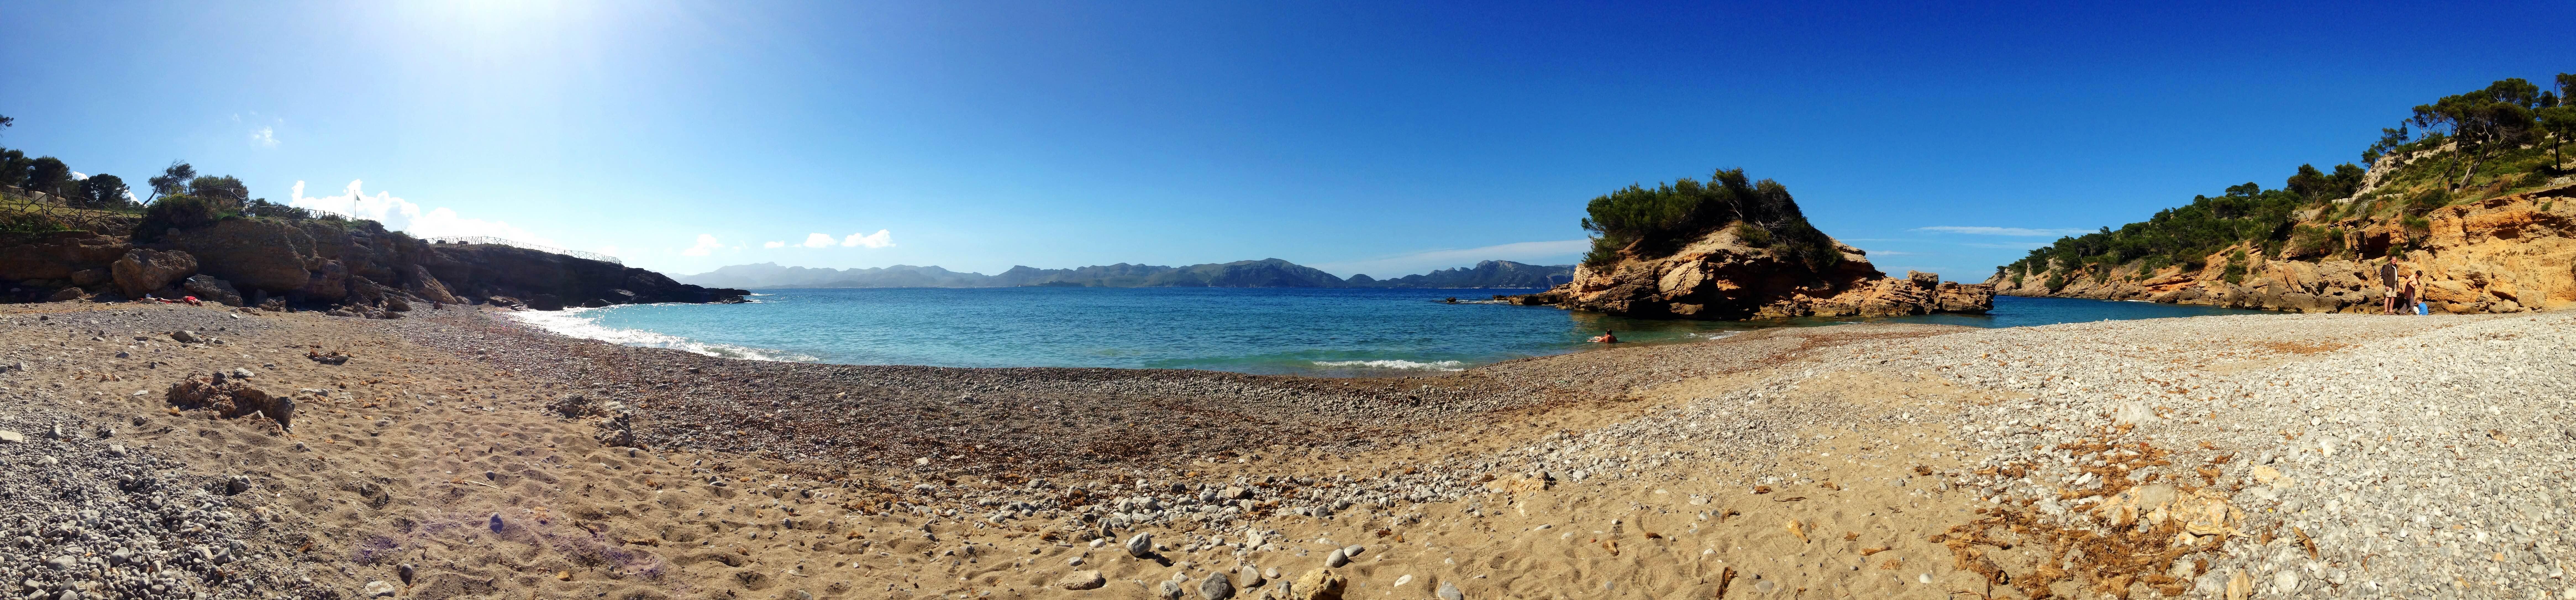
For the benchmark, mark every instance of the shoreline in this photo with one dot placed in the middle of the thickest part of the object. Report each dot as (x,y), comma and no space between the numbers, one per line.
(1797,458)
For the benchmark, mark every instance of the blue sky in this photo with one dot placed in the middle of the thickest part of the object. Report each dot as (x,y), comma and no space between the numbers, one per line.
(1357,137)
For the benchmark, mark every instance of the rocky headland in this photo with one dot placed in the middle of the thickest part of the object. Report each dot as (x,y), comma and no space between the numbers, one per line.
(356,267)
(1720,277)
(2506,254)
(1732,249)
(2479,204)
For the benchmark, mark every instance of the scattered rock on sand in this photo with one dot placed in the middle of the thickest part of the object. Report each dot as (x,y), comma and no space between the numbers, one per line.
(1141,546)
(378,589)
(1337,558)
(1216,587)
(1449,591)
(12,436)
(1319,584)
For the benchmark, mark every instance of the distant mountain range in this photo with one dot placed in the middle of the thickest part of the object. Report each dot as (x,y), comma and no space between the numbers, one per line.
(1270,272)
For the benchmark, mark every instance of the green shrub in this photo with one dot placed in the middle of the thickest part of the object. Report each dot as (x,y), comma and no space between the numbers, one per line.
(2235,272)
(1753,236)
(2428,200)
(29,222)
(176,212)
(1652,223)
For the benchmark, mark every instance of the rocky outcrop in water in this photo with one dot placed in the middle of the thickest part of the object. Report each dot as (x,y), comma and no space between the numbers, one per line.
(2501,255)
(1720,276)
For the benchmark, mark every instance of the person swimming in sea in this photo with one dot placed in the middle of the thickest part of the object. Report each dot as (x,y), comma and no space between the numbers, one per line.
(1606,337)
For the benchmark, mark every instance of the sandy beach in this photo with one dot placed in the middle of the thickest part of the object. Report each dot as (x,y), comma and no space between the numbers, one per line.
(457,454)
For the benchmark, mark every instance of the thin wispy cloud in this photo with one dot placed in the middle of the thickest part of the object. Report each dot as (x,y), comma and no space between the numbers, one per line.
(707,244)
(402,215)
(880,239)
(2019,246)
(266,137)
(2003,231)
(1547,252)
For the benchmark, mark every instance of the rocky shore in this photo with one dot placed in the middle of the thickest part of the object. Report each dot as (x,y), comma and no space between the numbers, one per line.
(2507,254)
(457,454)
(1723,276)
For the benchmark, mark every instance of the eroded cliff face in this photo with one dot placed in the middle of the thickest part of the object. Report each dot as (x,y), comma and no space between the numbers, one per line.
(2508,254)
(314,262)
(1721,277)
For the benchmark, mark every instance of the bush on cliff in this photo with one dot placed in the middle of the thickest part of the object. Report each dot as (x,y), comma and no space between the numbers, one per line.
(1652,223)
(176,212)
(2485,143)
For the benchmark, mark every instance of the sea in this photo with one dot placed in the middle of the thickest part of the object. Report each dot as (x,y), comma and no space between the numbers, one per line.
(1307,331)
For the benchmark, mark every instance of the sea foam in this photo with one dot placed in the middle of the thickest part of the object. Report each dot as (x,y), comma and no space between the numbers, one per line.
(1437,365)
(578,323)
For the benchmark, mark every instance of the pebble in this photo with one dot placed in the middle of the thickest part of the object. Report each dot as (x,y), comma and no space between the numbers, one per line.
(1337,558)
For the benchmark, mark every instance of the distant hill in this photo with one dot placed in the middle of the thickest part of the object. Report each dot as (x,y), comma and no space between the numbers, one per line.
(1269,272)
(1487,274)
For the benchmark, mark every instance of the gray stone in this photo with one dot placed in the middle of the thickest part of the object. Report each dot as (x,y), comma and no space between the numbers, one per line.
(1337,558)
(1449,591)
(378,589)
(496,522)
(1141,546)
(1353,550)
(12,437)
(1216,587)
(186,337)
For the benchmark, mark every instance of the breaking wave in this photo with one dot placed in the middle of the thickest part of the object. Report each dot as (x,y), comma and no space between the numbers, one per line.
(1406,365)
(579,323)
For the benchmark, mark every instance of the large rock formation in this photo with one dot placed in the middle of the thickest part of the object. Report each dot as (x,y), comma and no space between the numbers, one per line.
(1720,276)
(144,271)
(245,261)
(2506,254)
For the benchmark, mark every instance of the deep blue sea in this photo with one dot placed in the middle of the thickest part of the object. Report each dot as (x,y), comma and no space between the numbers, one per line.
(1315,331)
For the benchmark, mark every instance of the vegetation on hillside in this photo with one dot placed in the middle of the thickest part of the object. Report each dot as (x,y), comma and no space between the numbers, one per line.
(178,197)
(2502,139)
(1655,222)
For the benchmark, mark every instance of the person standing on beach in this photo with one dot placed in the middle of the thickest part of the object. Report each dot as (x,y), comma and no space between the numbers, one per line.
(2412,292)
(2388,286)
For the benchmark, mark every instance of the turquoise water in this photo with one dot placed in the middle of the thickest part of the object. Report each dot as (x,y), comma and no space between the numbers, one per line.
(1318,331)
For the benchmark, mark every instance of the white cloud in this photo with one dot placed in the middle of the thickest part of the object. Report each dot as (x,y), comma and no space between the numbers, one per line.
(266,137)
(706,243)
(880,239)
(2004,231)
(1555,252)
(817,240)
(402,215)
(774,245)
